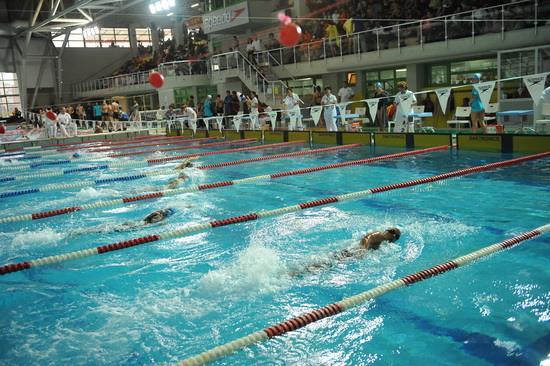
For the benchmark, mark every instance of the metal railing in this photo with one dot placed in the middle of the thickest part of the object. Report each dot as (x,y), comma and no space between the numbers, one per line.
(268,90)
(470,24)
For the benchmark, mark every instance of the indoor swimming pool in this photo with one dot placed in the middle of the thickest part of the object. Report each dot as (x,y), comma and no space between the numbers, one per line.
(184,293)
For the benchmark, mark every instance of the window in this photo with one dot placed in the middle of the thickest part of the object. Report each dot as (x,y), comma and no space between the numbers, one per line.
(515,64)
(461,72)
(107,37)
(389,79)
(304,86)
(143,37)
(544,60)
(203,91)
(181,95)
(114,37)
(9,94)
(167,33)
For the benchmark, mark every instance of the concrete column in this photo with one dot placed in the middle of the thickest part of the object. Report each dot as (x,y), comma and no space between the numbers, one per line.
(416,78)
(133,39)
(155,37)
(177,31)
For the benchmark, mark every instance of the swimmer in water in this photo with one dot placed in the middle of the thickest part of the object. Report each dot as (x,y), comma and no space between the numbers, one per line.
(371,241)
(152,218)
(187,163)
(174,183)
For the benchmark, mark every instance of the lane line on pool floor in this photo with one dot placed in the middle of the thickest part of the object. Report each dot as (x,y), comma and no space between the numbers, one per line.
(140,164)
(359,299)
(21,167)
(20,266)
(159,194)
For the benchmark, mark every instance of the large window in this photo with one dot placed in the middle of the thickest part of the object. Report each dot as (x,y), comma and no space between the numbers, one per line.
(9,94)
(143,37)
(389,79)
(106,37)
(461,72)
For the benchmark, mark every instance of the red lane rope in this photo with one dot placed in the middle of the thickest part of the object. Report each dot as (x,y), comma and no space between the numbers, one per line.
(227,151)
(278,156)
(156,143)
(201,146)
(127,142)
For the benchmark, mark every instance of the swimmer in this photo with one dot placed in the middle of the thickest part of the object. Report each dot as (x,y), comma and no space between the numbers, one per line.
(187,163)
(152,218)
(174,183)
(371,241)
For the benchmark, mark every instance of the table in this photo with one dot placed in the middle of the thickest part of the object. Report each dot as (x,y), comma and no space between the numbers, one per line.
(518,113)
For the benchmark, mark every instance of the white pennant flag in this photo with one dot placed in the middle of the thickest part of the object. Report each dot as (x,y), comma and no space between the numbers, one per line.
(219,121)
(373,107)
(237,122)
(443,95)
(316,114)
(535,85)
(206,122)
(273,118)
(342,110)
(485,91)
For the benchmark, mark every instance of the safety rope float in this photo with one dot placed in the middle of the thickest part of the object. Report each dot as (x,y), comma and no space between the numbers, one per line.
(91,157)
(202,187)
(48,174)
(20,266)
(359,299)
(87,183)
(160,160)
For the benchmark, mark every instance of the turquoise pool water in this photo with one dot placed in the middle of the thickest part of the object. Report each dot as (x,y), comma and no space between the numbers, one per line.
(168,300)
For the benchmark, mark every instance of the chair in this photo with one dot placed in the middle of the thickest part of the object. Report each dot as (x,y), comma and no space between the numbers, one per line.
(491,109)
(543,125)
(461,112)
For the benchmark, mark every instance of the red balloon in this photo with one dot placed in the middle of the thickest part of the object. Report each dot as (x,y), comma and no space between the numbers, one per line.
(156,79)
(51,115)
(290,34)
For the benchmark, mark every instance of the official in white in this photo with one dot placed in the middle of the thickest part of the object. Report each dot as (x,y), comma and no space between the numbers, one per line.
(190,116)
(329,109)
(64,119)
(292,103)
(544,100)
(404,101)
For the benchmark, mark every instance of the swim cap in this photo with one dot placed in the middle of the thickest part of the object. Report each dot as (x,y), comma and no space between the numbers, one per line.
(477,76)
(169,212)
(76,155)
(378,84)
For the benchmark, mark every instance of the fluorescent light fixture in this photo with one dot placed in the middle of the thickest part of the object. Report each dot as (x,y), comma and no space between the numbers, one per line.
(195,5)
(169,14)
(172,3)
(152,8)
(165,5)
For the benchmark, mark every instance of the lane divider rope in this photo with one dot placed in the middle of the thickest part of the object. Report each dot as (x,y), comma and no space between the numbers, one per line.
(20,266)
(86,183)
(91,157)
(126,163)
(53,147)
(202,187)
(202,146)
(348,303)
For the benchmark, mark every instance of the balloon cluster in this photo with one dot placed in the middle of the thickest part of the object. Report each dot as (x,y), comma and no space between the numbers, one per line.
(290,33)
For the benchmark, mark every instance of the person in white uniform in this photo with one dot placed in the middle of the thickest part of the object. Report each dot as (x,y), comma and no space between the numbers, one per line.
(345,93)
(292,103)
(329,109)
(64,119)
(254,104)
(189,115)
(404,101)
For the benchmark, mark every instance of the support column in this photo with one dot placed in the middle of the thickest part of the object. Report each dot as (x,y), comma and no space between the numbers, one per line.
(155,37)
(133,38)
(177,31)
(415,77)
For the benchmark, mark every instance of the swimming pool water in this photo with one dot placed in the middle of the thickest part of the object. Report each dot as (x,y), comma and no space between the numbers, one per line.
(168,300)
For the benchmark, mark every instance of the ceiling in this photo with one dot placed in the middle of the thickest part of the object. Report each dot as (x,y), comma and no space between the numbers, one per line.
(47,17)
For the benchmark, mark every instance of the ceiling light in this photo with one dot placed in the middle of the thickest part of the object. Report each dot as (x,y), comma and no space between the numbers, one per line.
(169,14)
(152,8)
(195,5)
(165,4)
(172,3)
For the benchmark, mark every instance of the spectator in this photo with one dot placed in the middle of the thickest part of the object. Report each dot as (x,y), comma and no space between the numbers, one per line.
(97,111)
(116,110)
(189,115)
(345,93)
(381,113)
(134,116)
(235,103)
(208,107)
(191,102)
(64,119)
(292,103)
(2,128)
(170,114)
(478,109)
(227,107)
(250,50)
(254,103)
(218,105)
(89,112)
